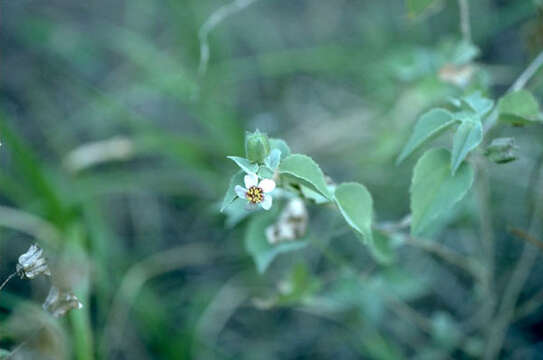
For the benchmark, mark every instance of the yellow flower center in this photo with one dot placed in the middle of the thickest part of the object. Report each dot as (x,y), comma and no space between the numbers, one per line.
(255,194)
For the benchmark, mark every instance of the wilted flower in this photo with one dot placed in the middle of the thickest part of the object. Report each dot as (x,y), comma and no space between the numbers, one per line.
(59,302)
(457,75)
(32,263)
(291,225)
(256,193)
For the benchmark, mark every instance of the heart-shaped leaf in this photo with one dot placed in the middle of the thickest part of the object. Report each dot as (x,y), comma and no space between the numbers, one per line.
(434,190)
(478,103)
(303,170)
(467,137)
(429,125)
(230,195)
(356,206)
(244,164)
(519,108)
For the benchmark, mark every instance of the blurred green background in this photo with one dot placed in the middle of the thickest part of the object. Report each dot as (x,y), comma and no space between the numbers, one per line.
(114,137)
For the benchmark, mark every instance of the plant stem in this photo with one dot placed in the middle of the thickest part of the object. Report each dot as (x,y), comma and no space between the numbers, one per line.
(465,27)
(520,274)
(7,280)
(446,254)
(212,21)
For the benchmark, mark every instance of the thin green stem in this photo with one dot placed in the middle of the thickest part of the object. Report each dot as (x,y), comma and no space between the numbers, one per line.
(465,27)
(519,276)
(7,280)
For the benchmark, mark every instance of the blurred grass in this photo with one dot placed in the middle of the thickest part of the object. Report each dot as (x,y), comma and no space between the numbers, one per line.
(342,80)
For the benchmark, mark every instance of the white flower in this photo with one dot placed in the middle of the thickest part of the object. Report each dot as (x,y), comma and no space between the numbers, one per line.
(256,193)
(59,302)
(32,263)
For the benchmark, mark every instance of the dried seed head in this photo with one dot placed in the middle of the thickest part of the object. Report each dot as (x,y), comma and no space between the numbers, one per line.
(291,225)
(59,302)
(32,263)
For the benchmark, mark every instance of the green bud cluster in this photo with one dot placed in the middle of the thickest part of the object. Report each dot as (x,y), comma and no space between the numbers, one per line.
(257,146)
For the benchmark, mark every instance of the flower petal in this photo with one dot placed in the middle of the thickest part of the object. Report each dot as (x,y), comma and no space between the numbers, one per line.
(266,203)
(250,180)
(267,185)
(240,191)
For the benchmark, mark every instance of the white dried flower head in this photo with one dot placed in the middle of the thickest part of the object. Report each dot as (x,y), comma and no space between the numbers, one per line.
(59,302)
(32,263)
(291,225)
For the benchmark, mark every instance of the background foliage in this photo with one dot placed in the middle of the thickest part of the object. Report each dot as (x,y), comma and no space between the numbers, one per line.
(114,140)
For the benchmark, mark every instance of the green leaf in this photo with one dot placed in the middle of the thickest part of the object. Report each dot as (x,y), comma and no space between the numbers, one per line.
(467,137)
(236,212)
(265,172)
(230,195)
(382,249)
(244,164)
(356,206)
(313,195)
(429,125)
(478,103)
(519,108)
(273,160)
(257,244)
(434,190)
(280,144)
(303,170)
(417,7)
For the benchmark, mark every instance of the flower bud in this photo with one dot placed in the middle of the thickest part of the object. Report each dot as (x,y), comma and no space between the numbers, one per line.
(257,146)
(501,150)
(32,263)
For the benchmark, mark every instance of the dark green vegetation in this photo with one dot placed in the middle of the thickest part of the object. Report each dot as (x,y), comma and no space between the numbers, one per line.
(115,137)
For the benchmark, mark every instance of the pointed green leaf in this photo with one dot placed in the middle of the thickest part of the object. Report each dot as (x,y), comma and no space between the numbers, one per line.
(356,206)
(467,137)
(303,170)
(265,172)
(272,161)
(244,164)
(281,145)
(230,195)
(434,190)
(478,103)
(519,108)
(429,125)
(257,245)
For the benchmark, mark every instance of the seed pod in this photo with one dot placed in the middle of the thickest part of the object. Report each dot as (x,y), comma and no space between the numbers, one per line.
(32,263)
(59,302)
(502,150)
